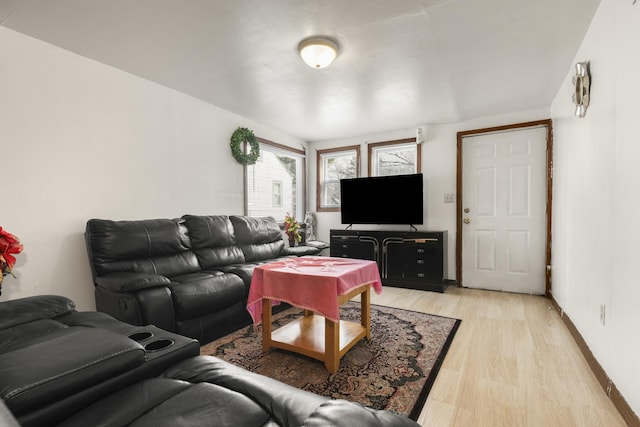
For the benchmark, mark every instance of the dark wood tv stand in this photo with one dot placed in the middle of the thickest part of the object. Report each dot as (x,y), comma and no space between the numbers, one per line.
(406,259)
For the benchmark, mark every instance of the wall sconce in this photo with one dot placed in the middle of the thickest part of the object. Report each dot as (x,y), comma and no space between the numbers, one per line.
(581,82)
(318,52)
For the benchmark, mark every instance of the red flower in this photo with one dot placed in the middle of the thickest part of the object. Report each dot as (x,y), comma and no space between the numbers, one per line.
(9,245)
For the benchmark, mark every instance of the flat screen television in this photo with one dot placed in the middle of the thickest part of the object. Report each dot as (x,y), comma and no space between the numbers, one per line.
(393,199)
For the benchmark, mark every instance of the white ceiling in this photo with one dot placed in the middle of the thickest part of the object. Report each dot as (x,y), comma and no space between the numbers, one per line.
(403,63)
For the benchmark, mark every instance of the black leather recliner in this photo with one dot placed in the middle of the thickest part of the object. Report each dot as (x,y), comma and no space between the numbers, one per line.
(55,361)
(62,367)
(189,275)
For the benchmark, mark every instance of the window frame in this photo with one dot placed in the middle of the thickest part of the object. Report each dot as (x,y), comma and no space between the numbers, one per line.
(407,141)
(320,173)
(294,152)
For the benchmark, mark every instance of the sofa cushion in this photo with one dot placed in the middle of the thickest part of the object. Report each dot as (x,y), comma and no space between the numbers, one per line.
(206,231)
(259,238)
(245,272)
(213,240)
(211,258)
(196,294)
(157,246)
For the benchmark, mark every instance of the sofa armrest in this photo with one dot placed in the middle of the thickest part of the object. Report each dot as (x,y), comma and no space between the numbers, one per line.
(124,282)
(65,362)
(24,310)
(301,250)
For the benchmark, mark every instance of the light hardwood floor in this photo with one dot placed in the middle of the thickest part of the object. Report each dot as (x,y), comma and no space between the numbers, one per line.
(512,363)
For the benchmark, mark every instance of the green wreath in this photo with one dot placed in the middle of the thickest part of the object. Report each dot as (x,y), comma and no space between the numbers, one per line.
(244,135)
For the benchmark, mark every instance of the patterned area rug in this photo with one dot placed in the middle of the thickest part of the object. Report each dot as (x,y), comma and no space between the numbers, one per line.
(393,371)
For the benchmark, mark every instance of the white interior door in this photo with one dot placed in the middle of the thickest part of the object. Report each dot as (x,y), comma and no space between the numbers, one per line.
(504,197)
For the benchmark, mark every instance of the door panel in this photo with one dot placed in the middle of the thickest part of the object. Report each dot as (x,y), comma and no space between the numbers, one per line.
(486,192)
(485,250)
(504,210)
(518,252)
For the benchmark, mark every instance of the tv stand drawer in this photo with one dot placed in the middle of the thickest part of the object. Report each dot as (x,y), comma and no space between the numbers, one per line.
(345,246)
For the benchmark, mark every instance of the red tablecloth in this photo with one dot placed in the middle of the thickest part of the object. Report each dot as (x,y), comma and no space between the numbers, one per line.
(312,283)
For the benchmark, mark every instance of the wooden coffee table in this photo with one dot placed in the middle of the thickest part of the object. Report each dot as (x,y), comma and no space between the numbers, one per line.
(319,285)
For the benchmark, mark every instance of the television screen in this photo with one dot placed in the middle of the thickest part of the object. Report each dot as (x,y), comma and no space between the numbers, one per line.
(393,199)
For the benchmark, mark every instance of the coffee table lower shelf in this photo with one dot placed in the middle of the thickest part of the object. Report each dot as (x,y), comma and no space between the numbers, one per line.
(307,336)
(314,336)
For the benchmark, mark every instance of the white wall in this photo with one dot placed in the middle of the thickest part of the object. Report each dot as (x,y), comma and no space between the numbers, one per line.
(596,205)
(80,140)
(438,167)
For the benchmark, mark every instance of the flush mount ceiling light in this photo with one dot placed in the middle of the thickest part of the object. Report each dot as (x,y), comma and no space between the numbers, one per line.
(318,52)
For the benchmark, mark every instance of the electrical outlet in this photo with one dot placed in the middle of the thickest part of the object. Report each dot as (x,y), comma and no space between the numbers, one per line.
(449,197)
(603,313)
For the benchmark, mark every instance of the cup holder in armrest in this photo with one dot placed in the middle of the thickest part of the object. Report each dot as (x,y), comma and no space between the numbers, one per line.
(141,336)
(158,345)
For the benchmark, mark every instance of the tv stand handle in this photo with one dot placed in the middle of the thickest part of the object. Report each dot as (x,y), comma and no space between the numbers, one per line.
(423,240)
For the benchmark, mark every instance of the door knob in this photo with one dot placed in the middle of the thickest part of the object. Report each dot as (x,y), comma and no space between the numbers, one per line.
(467,220)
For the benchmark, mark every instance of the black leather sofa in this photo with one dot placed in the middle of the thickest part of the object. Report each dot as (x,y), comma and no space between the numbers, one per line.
(68,368)
(189,275)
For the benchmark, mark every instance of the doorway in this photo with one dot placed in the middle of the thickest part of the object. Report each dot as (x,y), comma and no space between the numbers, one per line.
(503,239)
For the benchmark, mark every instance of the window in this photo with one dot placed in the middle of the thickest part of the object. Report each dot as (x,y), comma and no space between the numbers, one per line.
(332,166)
(275,183)
(276,193)
(399,157)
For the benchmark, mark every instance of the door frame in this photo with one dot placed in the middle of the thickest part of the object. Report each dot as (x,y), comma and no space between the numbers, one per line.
(459,229)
